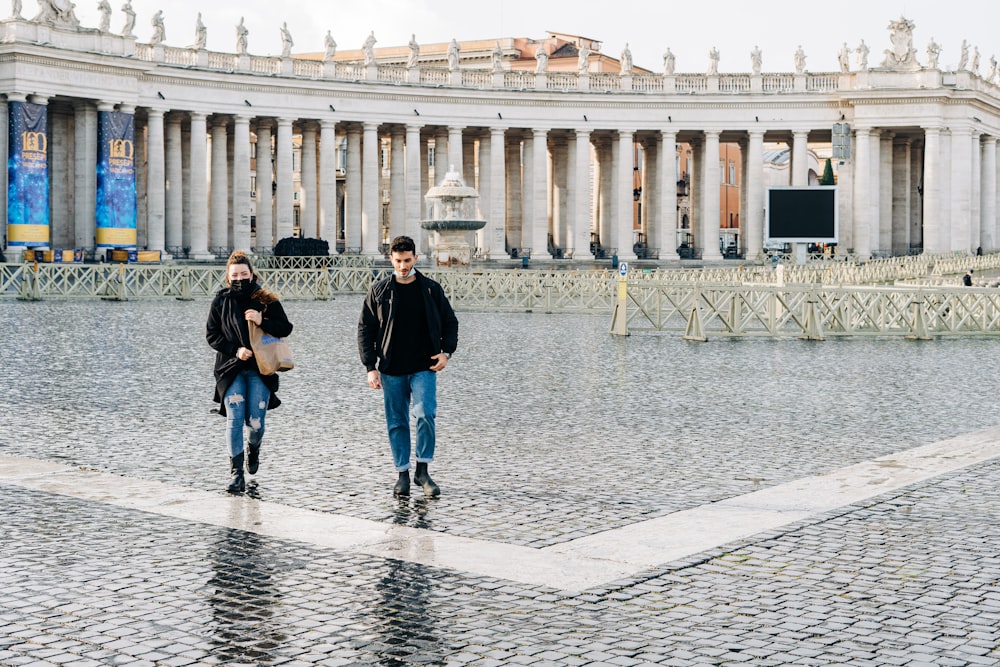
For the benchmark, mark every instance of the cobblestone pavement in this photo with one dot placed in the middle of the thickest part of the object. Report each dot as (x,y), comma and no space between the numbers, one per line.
(541,444)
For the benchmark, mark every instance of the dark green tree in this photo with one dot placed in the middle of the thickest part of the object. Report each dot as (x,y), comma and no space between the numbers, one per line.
(827,178)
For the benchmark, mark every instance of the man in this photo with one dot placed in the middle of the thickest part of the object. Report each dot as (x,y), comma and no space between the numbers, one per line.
(407,332)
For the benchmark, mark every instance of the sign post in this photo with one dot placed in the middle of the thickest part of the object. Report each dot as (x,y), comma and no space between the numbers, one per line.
(619,320)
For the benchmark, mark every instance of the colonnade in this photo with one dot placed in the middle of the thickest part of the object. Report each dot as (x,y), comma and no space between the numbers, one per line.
(240,159)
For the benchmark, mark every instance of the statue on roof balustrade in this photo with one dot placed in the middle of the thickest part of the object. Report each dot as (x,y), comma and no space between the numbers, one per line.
(902,55)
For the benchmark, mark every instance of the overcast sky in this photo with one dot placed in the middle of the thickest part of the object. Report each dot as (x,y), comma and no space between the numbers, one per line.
(689,28)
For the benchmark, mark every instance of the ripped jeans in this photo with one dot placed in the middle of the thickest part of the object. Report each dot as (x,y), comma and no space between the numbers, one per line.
(246,403)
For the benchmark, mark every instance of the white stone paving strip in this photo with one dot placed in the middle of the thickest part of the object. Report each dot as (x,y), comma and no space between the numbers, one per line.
(575,566)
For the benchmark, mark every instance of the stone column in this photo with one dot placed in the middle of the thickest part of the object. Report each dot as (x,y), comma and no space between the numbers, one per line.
(240,234)
(484,183)
(862,193)
(199,188)
(900,184)
(916,203)
(397,182)
(441,155)
(988,195)
(695,187)
(559,158)
(497,208)
(883,212)
(514,224)
(308,208)
(219,193)
(800,158)
(426,182)
(580,191)
(85,185)
(413,180)
(174,185)
(975,200)
(668,223)
(527,190)
(61,232)
(935,239)
(155,208)
(710,197)
(327,222)
(624,166)
(607,148)
(354,187)
(284,215)
(753,183)
(469,162)
(371,233)
(961,190)
(265,187)
(648,201)
(454,153)
(539,193)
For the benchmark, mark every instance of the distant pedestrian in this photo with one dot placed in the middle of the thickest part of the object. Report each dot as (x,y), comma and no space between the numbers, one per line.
(407,332)
(243,393)
(967,278)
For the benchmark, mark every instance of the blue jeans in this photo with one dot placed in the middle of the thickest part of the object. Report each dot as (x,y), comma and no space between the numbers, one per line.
(398,391)
(246,403)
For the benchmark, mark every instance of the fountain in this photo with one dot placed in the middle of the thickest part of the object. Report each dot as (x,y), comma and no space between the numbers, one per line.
(454,212)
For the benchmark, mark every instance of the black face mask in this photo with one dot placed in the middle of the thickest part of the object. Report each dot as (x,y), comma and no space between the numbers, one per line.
(240,286)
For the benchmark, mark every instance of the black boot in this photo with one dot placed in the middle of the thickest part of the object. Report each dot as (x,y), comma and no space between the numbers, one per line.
(423,478)
(237,484)
(402,487)
(253,458)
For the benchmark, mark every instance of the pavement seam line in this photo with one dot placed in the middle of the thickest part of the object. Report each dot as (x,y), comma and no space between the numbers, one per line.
(574,566)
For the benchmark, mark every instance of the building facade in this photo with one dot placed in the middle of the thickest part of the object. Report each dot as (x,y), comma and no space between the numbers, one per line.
(353,145)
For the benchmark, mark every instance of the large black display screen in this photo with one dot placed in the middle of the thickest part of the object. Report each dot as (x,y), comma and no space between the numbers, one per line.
(802,214)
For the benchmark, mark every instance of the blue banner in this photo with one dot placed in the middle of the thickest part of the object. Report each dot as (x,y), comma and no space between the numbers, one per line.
(28,175)
(116,208)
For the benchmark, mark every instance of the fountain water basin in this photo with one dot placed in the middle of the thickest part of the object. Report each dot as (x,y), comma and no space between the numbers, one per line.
(453,209)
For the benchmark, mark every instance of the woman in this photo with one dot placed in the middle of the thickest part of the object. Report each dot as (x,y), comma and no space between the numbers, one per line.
(244,394)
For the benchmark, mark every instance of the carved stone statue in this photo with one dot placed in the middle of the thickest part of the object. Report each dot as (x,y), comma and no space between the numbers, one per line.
(104,9)
(414,56)
(497,57)
(51,11)
(800,60)
(991,73)
(626,61)
(15,9)
(933,53)
(974,66)
(241,37)
(200,33)
(368,48)
(862,52)
(159,32)
(713,62)
(963,60)
(583,60)
(329,47)
(286,41)
(669,61)
(541,58)
(756,60)
(129,27)
(454,55)
(844,58)
(902,55)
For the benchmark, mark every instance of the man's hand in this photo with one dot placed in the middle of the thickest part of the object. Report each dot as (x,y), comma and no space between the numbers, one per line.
(440,361)
(374,379)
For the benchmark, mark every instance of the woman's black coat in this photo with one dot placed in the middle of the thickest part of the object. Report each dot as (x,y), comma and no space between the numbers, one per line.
(227,331)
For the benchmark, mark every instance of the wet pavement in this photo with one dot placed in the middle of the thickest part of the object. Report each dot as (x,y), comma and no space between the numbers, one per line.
(559,447)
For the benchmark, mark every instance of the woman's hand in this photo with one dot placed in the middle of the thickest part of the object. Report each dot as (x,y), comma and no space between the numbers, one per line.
(254,316)
(244,353)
